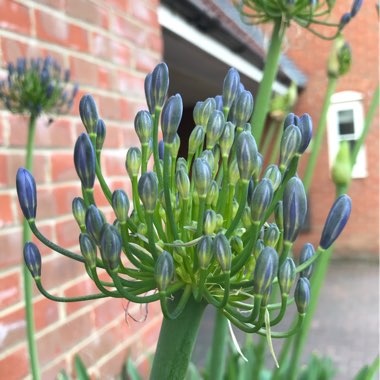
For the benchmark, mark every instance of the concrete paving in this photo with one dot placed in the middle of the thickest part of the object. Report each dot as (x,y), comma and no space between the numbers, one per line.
(346,324)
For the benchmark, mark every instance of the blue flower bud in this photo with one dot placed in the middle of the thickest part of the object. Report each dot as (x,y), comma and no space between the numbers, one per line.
(219,102)
(133,161)
(287,275)
(279,215)
(204,252)
(222,252)
(261,199)
(201,177)
(110,247)
(214,129)
(302,295)
(149,93)
(294,208)
(196,139)
(183,183)
(291,119)
(164,270)
(100,134)
(175,146)
(209,222)
(345,19)
(88,113)
(259,246)
(272,172)
(243,109)
(227,139)
(204,112)
(213,194)
(148,191)
(160,84)
(120,205)
(271,235)
(237,244)
(161,149)
(265,270)
(246,155)
(336,220)
(356,5)
(143,126)
(230,87)
(208,156)
(290,143)
(26,192)
(79,211)
(306,128)
(307,253)
(94,221)
(233,172)
(85,161)
(32,258)
(66,76)
(171,117)
(88,249)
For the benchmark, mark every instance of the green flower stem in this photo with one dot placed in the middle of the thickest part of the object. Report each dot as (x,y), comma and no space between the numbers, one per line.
(68,299)
(28,291)
(318,139)
(284,303)
(156,158)
(226,292)
(103,184)
(263,97)
(99,285)
(201,211)
(89,196)
(310,261)
(176,342)
(183,216)
(228,207)
(293,330)
(218,350)
(151,235)
(144,158)
(166,184)
(136,198)
(158,224)
(183,298)
(224,192)
(243,190)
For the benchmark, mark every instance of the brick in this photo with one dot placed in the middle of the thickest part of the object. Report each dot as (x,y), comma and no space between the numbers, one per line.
(119,53)
(56,4)
(10,291)
(109,108)
(114,136)
(51,372)
(100,198)
(63,338)
(62,167)
(10,162)
(84,287)
(84,70)
(144,61)
(130,108)
(14,49)
(6,213)
(14,325)
(107,311)
(14,17)
(57,30)
(125,28)
(142,12)
(60,269)
(87,12)
(114,164)
(128,84)
(67,233)
(100,45)
(63,198)
(15,364)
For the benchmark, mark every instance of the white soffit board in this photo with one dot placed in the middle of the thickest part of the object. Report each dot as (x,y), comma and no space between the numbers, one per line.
(179,26)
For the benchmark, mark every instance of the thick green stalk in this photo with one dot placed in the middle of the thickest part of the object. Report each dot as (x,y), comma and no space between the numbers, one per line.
(263,97)
(28,290)
(218,347)
(374,106)
(268,138)
(317,141)
(176,342)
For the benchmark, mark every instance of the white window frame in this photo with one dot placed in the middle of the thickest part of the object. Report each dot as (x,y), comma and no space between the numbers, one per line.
(344,101)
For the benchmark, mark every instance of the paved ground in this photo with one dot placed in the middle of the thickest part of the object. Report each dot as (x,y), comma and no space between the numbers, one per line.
(346,325)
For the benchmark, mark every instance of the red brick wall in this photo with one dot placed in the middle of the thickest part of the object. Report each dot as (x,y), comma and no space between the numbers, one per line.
(109,47)
(361,237)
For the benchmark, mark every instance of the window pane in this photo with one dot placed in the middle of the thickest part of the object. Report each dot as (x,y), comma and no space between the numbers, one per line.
(346,122)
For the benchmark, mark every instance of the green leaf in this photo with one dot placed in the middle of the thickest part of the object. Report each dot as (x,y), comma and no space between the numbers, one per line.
(193,373)
(133,373)
(269,338)
(80,369)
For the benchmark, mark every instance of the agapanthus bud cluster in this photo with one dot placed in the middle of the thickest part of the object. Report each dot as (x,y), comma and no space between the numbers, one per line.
(309,14)
(37,86)
(214,226)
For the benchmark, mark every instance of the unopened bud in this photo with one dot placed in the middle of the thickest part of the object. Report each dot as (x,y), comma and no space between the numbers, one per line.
(261,199)
(160,84)
(94,222)
(271,235)
(290,143)
(143,126)
(26,192)
(214,128)
(85,161)
(307,253)
(246,155)
(120,205)
(230,87)
(201,177)
(204,252)
(196,139)
(32,258)
(88,249)
(209,222)
(133,161)
(88,113)
(100,135)
(302,295)
(110,247)
(286,275)
(265,270)
(79,211)
(222,251)
(148,191)
(272,172)
(164,270)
